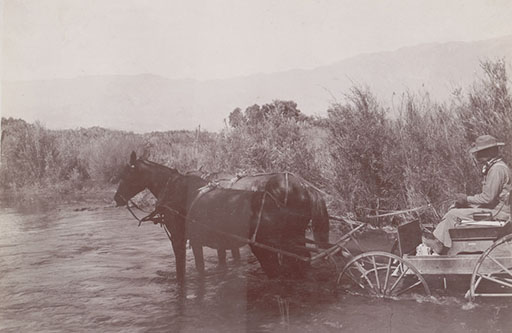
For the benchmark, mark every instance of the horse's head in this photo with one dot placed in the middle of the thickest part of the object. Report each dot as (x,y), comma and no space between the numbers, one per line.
(132,181)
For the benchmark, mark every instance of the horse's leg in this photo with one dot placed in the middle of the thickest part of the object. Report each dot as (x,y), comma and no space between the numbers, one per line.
(295,242)
(268,261)
(197,248)
(179,243)
(235,253)
(221,254)
(179,248)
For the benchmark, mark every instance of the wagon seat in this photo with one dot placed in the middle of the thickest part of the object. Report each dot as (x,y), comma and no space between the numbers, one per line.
(475,236)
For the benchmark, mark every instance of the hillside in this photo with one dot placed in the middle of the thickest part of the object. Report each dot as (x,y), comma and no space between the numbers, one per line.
(149,102)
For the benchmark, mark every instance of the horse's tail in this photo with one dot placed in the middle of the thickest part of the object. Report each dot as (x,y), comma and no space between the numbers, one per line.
(319,219)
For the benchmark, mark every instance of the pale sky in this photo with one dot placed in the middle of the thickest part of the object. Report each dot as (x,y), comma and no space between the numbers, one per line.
(44,39)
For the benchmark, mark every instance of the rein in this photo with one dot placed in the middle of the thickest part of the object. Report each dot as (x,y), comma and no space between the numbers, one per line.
(140,220)
(399,212)
(148,218)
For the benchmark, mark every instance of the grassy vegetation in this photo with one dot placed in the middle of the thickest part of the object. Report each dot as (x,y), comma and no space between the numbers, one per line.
(368,158)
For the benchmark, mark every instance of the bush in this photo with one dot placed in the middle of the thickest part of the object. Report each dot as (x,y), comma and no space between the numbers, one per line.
(369,158)
(107,154)
(28,154)
(433,153)
(361,141)
(488,108)
(273,138)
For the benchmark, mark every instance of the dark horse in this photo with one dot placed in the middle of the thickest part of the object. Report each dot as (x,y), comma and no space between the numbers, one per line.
(297,194)
(283,218)
(299,199)
(227,218)
(141,174)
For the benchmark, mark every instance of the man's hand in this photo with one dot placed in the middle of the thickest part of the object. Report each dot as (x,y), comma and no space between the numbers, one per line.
(461,200)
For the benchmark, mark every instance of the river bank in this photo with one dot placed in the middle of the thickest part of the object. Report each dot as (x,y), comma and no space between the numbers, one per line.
(48,197)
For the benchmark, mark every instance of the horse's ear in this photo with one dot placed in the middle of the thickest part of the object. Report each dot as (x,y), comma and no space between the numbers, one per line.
(133,158)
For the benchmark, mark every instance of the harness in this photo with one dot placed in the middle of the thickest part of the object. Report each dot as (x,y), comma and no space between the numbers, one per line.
(148,218)
(157,216)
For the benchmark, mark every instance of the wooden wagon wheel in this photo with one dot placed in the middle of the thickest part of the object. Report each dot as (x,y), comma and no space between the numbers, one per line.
(383,274)
(492,275)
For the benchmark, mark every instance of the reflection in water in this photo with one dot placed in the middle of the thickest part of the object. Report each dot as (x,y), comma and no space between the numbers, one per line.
(77,270)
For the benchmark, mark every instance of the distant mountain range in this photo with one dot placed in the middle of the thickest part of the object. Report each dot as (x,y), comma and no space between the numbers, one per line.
(147,102)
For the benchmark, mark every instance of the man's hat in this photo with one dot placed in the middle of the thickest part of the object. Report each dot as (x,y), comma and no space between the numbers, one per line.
(483,142)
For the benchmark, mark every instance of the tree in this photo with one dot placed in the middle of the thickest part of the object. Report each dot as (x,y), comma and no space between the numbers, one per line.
(236,118)
(254,115)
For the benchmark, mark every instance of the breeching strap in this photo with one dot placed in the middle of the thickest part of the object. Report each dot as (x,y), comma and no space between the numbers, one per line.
(287,189)
(259,217)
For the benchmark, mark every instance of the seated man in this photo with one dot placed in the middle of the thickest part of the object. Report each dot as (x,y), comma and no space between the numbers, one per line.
(496,187)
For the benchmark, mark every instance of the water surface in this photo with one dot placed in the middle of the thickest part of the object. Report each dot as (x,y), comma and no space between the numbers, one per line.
(90,269)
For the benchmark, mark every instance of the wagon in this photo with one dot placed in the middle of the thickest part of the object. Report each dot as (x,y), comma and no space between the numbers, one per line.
(481,249)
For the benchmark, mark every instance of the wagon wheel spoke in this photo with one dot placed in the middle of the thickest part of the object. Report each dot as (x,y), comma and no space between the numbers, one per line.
(376,273)
(399,279)
(492,275)
(359,277)
(364,273)
(356,281)
(383,274)
(388,271)
(495,280)
(500,265)
(400,292)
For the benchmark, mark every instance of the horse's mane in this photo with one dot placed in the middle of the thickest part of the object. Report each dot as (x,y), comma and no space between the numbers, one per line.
(161,166)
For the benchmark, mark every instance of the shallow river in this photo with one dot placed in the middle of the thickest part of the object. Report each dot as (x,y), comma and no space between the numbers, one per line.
(90,269)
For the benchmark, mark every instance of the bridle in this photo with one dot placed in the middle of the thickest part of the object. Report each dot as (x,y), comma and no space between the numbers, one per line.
(130,201)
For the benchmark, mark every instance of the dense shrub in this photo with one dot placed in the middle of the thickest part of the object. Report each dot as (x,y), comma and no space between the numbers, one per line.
(361,142)
(28,154)
(183,150)
(488,108)
(104,156)
(274,137)
(432,152)
(370,159)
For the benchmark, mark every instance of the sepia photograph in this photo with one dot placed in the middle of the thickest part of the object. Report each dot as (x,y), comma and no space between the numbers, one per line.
(255,166)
